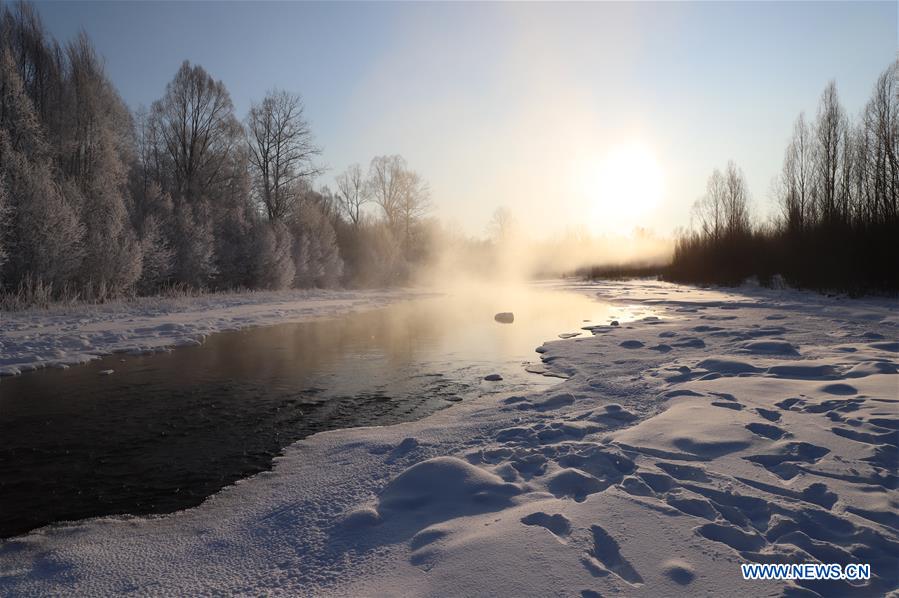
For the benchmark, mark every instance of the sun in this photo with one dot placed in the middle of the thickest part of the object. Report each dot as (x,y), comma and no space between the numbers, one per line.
(621,187)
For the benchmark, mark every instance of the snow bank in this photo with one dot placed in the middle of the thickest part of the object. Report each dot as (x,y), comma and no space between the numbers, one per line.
(643,473)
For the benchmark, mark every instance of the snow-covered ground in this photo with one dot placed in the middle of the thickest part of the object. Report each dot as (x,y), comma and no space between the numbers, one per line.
(746,426)
(61,337)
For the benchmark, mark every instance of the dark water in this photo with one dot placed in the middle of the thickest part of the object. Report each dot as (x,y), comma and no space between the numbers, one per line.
(166,431)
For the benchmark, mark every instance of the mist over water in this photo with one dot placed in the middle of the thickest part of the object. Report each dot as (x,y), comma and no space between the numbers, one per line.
(515,259)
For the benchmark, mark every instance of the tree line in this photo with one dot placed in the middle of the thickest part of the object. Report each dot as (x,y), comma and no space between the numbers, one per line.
(837,195)
(98,201)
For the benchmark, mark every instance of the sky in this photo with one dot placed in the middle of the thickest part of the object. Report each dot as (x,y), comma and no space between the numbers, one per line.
(549,109)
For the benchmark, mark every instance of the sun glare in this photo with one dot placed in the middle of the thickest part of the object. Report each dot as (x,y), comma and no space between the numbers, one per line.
(622,186)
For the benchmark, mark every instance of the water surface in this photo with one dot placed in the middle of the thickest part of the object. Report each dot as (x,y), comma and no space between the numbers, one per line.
(165,431)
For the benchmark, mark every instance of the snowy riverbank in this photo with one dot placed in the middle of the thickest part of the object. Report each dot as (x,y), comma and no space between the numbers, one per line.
(745,426)
(65,336)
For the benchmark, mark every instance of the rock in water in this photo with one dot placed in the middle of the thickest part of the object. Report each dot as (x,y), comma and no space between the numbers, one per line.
(493,377)
(105,372)
(504,317)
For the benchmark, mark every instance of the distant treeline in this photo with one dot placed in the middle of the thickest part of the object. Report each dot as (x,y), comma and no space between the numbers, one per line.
(97,201)
(838,197)
(622,271)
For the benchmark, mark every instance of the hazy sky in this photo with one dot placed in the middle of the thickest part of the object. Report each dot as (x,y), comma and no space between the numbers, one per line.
(519,104)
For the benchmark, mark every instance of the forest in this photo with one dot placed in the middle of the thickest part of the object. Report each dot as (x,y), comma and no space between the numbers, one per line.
(98,202)
(836,224)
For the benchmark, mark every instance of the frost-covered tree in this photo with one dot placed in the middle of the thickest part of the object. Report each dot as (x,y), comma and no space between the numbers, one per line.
(274,266)
(94,153)
(153,217)
(4,213)
(194,244)
(382,263)
(195,146)
(234,218)
(104,202)
(18,119)
(316,254)
(44,234)
(158,257)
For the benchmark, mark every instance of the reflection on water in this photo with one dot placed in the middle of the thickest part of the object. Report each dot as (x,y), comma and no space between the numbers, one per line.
(165,431)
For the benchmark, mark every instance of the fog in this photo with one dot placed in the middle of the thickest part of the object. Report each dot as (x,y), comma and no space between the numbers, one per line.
(516,257)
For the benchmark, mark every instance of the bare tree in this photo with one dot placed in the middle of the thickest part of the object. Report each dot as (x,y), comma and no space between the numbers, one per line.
(402,195)
(385,183)
(723,211)
(502,225)
(709,209)
(282,151)
(736,205)
(353,192)
(829,131)
(197,129)
(879,147)
(796,181)
(414,203)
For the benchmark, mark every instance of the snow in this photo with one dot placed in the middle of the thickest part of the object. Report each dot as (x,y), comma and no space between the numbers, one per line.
(641,473)
(59,337)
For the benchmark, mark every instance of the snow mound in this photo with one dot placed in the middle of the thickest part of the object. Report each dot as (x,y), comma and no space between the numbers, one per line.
(573,483)
(679,571)
(728,367)
(442,488)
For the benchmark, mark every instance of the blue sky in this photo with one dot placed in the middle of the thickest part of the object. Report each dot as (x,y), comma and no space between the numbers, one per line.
(505,104)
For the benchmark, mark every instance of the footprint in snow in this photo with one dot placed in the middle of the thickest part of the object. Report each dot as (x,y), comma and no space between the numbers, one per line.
(771,416)
(605,557)
(732,536)
(767,431)
(684,472)
(557,524)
